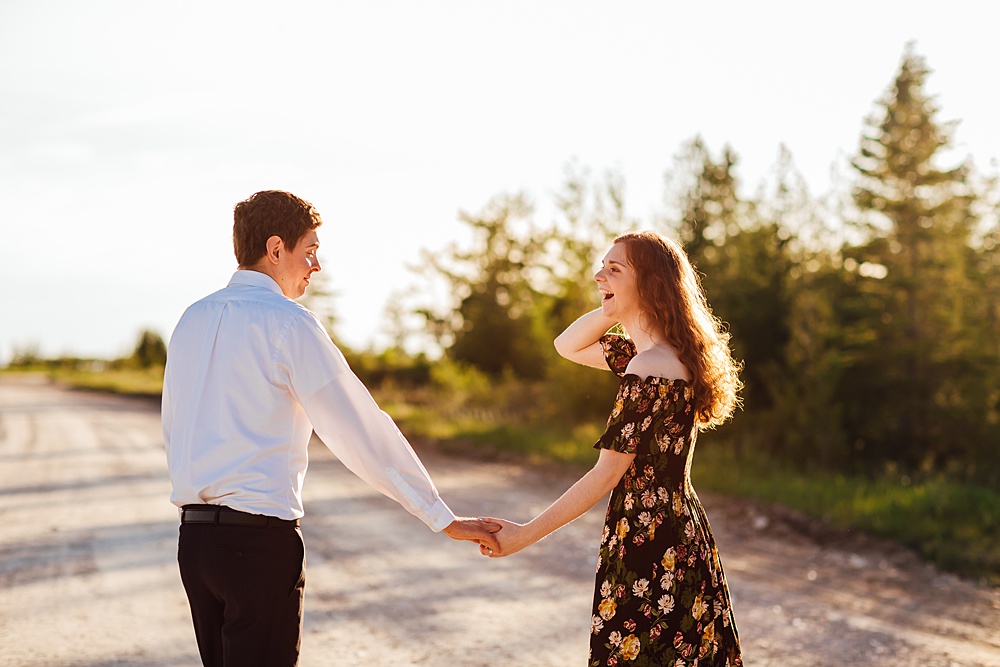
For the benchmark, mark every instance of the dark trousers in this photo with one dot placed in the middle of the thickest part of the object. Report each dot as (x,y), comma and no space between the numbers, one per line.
(245,586)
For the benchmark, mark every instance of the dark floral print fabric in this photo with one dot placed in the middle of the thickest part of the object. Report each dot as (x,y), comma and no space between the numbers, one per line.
(661,596)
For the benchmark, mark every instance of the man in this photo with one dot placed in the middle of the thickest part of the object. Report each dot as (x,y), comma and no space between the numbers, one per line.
(250,374)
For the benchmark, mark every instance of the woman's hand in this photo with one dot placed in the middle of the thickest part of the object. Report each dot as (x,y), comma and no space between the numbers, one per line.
(512,538)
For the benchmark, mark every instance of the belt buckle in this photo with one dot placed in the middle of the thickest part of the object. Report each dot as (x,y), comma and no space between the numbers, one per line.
(216,510)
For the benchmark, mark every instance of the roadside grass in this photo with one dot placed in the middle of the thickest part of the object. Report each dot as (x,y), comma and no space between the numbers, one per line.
(128,382)
(146,382)
(950,523)
(482,436)
(946,521)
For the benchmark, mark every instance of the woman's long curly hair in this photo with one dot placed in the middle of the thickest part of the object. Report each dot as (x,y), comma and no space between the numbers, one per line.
(672,301)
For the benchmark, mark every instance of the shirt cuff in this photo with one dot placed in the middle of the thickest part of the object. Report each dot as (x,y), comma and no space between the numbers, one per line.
(438,515)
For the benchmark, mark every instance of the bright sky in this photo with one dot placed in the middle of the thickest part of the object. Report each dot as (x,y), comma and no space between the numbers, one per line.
(129,129)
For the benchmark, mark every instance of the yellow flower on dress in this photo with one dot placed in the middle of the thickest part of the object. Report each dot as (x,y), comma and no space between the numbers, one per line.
(669,559)
(622,529)
(607,609)
(698,607)
(630,647)
(708,638)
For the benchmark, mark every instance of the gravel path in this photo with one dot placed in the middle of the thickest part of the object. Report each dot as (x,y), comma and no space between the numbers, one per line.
(88,575)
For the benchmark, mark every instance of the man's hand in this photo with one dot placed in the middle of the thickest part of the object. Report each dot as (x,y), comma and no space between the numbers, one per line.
(475,530)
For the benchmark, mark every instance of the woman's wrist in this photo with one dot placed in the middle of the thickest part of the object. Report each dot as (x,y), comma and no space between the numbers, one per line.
(603,322)
(532,532)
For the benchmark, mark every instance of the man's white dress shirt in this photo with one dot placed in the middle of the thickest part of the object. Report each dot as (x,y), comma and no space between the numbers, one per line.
(250,374)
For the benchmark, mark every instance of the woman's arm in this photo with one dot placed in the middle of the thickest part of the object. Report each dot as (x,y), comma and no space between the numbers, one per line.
(579,498)
(579,342)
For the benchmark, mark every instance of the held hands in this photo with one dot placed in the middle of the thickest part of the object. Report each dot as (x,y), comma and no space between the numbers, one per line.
(513,538)
(495,537)
(478,530)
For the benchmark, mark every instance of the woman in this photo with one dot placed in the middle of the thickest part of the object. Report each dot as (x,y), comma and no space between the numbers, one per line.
(661,596)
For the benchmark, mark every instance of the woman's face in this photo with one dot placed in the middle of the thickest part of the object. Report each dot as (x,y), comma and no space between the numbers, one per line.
(617,285)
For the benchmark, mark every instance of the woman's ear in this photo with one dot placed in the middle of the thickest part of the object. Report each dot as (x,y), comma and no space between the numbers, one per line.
(275,246)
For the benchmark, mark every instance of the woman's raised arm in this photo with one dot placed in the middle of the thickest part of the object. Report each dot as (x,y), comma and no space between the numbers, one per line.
(579,342)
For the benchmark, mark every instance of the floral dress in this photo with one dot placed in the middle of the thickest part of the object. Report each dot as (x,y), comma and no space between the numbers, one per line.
(661,597)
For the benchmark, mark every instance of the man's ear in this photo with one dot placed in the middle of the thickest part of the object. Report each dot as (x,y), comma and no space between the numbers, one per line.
(275,246)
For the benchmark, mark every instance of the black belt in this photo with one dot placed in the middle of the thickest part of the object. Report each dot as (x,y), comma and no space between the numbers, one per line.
(220,514)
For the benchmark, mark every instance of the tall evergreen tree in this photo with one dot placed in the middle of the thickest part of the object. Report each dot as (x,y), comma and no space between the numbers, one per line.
(742,259)
(985,459)
(803,424)
(909,380)
(707,200)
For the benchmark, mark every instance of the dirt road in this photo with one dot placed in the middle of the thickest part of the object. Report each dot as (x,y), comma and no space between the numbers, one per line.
(88,575)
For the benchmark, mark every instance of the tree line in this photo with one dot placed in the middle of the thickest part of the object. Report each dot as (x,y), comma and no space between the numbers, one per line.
(868,320)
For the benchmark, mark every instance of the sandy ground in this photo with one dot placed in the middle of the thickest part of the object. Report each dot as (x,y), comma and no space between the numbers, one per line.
(88,575)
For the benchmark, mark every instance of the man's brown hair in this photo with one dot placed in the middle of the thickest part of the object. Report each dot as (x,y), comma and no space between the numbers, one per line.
(270,213)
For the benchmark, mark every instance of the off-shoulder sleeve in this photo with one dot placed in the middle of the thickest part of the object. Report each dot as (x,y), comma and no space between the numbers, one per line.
(647,417)
(618,351)
(624,432)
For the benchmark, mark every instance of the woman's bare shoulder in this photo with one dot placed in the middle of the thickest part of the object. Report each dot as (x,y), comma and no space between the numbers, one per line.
(658,362)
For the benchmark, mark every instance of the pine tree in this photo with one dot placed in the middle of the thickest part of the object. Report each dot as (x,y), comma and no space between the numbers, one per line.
(913,280)
(742,260)
(803,425)
(707,200)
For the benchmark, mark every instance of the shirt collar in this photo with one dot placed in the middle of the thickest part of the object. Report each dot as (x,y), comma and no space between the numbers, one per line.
(255,279)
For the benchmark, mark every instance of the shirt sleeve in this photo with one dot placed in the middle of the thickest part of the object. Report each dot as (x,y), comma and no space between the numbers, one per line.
(367,441)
